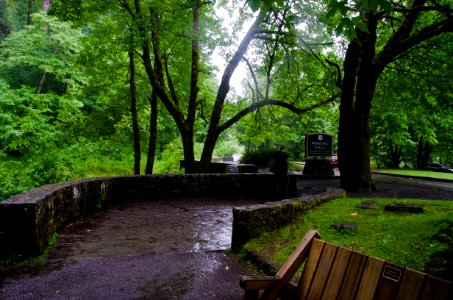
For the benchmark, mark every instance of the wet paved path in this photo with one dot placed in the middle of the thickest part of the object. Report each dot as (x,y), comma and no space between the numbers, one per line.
(169,249)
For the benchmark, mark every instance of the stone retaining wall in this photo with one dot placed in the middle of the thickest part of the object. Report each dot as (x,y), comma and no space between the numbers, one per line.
(28,220)
(251,221)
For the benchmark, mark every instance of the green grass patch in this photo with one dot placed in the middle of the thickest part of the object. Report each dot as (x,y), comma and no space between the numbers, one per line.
(416,173)
(296,166)
(409,239)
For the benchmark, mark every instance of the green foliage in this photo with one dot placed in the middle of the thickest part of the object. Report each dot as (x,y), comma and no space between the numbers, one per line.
(227,146)
(344,13)
(263,4)
(169,160)
(411,104)
(260,157)
(389,235)
(440,263)
(32,121)
(47,46)
(67,10)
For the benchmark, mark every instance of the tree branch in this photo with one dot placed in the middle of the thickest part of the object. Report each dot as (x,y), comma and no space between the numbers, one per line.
(391,51)
(311,50)
(339,80)
(171,86)
(258,93)
(224,87)
(153,76)
(268,102)
(274,50)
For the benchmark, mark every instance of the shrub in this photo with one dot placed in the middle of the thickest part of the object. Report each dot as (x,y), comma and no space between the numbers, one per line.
(260,158)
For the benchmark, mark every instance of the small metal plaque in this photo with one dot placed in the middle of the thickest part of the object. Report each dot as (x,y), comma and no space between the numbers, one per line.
(393,273)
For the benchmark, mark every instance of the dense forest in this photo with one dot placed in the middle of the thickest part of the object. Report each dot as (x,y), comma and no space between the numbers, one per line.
(99,88)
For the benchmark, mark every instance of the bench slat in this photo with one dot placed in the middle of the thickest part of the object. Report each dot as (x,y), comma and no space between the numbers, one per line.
(390,281)
(370,278)
(322,272)
(339,268)
(292,264)
(436,288)
(258,282)
(310,267)
(411,285)
(353,275)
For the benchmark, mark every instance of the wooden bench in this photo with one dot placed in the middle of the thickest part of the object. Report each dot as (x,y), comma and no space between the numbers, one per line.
(334,272)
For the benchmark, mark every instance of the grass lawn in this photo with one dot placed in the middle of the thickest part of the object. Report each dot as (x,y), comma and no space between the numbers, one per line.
(422,241)
(415,173)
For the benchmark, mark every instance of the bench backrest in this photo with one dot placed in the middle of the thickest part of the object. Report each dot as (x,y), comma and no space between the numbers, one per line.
(334,272)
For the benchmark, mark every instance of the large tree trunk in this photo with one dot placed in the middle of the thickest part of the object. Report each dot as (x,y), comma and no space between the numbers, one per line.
(224,88)
(152,134)
(189,155)
(188,133)
(354,140)
(395,154)
(357,94)
(361,142)
(135,128)
(346,124)
(424,150)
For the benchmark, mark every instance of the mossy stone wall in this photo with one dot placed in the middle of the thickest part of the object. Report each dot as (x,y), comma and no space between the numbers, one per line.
(28,220)
(251,221)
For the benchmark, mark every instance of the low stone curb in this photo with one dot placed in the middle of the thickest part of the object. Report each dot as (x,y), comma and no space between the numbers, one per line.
(413,177)
(251,221)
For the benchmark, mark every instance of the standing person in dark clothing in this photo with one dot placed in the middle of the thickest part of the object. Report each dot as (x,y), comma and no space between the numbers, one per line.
(281,173)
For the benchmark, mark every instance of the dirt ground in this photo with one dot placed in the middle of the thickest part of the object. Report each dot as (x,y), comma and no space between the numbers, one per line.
(171,249)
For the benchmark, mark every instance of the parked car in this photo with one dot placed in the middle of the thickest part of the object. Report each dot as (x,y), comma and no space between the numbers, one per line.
(438,168)
(334,160)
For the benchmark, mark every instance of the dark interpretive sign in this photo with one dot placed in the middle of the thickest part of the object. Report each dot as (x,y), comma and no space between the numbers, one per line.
(318,145)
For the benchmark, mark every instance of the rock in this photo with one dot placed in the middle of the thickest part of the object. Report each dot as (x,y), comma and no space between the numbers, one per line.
(344,226)
(403,207)
(368,205)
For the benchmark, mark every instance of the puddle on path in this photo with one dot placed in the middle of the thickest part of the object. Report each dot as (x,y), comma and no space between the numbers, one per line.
(181,225)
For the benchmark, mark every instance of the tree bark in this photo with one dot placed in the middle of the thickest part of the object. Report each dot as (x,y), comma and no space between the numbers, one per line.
(360,81)
(135,128)
(346,124)
(41,81)
(188,132)
(29,11)
(395,155)
(152,134)
(424,150)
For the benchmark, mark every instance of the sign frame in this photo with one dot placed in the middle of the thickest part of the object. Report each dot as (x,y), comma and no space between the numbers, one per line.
(318,145)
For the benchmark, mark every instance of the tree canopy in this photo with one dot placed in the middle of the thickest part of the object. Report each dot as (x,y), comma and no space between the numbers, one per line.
(149,83)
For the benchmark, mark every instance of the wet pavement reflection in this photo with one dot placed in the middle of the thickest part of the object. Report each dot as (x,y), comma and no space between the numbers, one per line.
(169,249)
(180,225)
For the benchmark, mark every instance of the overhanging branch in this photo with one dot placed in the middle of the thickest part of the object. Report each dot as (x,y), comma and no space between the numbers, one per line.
(256,105)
